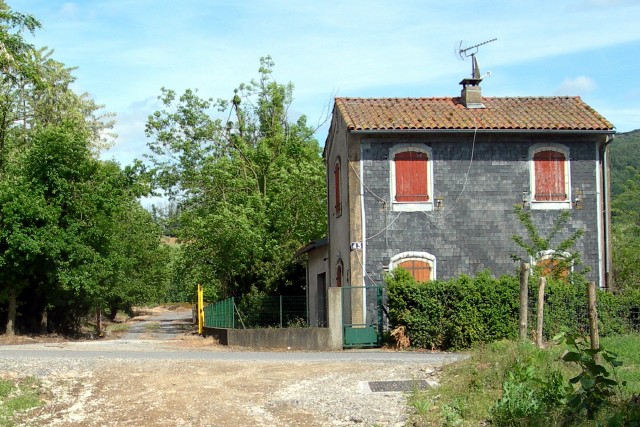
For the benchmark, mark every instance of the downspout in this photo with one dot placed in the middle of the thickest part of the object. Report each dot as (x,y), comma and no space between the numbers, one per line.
(600,208)
(606,184)
(364,235)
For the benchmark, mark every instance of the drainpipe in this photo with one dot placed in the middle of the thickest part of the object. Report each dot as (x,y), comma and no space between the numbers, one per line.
(364,235)
(606,190)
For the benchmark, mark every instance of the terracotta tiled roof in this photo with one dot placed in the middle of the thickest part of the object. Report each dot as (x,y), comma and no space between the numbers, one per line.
(539,113)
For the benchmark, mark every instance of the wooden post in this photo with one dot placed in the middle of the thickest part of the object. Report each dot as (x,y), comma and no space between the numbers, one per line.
(524,300)
(542,285)
(593,316)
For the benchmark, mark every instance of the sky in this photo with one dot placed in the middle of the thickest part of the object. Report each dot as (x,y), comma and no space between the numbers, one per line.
(127,50)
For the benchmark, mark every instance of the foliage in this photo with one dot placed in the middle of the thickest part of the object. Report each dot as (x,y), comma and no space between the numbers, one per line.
(625,160)
(531,395)
(563,258)
(514,383)
(453,314)
(463,312)
(250,187)
(593,386)
(73,237)
(626,235)
(16,397)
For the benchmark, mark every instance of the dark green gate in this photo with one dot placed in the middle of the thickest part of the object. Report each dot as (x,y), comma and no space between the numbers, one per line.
(362,319)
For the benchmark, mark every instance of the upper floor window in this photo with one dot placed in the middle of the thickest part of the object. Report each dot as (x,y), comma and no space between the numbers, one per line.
(337,183)
(411,177)
(421,265)
(550,177)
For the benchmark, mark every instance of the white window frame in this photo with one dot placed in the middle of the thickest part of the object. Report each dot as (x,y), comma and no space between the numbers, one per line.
(410,206)
(551,254)
(414,256)
(545,204)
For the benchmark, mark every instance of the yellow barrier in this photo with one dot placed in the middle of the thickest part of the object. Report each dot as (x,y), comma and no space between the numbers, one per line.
(200,308)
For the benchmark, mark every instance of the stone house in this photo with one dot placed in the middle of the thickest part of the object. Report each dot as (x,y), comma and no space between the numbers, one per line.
(430,184)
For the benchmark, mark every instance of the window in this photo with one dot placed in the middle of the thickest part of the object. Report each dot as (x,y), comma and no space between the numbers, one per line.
(411,177)
(550,177)
(339,274)
(554,264)
(336,182)
(421,265)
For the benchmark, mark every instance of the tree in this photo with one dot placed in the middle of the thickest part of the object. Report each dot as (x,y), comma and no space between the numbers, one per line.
(251,186)
(626,235)
(560,256)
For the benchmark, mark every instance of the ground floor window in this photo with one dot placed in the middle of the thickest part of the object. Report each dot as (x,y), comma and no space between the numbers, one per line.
(421,265)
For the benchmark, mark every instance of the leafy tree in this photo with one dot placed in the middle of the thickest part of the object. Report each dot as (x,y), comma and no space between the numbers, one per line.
(251,186)
(535,245)
(626,236)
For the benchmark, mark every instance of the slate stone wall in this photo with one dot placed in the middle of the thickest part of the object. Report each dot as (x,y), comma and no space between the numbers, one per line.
(473,230)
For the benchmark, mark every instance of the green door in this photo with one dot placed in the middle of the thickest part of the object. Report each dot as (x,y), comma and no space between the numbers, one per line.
(362,316)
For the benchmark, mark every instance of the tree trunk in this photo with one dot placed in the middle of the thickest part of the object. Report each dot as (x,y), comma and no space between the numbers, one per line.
(11,312)
(524,301)
(98,322)
(44,321)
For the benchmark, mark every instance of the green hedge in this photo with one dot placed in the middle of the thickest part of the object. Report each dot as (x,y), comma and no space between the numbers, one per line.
(464,311)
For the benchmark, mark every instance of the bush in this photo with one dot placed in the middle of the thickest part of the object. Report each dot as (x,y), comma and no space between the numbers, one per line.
(454,314)
(463,312)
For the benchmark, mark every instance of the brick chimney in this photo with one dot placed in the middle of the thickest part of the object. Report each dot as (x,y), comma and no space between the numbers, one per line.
(471,94)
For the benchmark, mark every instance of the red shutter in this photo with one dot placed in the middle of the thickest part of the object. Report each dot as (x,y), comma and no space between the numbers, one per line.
(411,177)
(420,270)
(336,179)
(549,174)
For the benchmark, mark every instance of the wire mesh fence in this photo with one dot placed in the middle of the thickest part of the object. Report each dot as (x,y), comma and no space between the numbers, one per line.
(260,311)
(566,307)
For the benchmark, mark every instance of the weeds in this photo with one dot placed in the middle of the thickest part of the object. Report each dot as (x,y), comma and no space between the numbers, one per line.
(515,384)
(17,397)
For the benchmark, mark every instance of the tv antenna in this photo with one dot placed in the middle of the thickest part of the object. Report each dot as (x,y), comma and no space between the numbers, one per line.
(471,52)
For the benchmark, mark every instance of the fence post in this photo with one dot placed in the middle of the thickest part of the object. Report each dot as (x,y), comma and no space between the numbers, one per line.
(543,283)
(281,311)
(593,316)
(200,308)
(524,300)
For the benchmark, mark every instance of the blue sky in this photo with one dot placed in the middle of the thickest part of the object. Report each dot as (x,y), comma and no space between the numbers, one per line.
(126,50)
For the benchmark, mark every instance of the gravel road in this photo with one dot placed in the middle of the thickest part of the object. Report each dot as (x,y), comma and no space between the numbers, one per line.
(159,374)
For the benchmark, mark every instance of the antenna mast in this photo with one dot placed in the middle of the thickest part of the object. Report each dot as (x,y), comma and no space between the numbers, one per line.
(471,52)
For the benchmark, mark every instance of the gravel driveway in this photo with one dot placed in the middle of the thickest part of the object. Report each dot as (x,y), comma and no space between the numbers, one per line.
(165,376)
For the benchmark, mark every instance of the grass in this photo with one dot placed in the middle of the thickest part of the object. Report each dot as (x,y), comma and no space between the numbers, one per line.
(470,389)
(17,396)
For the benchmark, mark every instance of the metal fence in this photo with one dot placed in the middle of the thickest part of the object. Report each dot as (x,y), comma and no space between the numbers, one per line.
(566,307)
(220,314)
(257,312)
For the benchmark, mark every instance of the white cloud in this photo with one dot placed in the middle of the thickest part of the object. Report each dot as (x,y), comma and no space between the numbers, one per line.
(579,85)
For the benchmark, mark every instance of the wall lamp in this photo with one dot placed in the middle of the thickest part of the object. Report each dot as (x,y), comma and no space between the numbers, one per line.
(525,199)
(439,202)
(578,200)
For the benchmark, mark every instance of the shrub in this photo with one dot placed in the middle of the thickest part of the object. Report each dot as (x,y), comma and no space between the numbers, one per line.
(453,314)
(464,311)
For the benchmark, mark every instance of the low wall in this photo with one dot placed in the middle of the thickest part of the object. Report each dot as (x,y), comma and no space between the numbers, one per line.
(317,339)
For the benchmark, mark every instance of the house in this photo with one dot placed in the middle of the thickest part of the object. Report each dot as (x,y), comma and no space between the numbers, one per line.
(430,184)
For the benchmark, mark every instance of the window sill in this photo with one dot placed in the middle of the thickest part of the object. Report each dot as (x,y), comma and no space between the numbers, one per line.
(412,207)
(550,205)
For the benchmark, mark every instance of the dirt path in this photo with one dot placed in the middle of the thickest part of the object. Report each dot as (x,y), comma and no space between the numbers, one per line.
(162,376)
